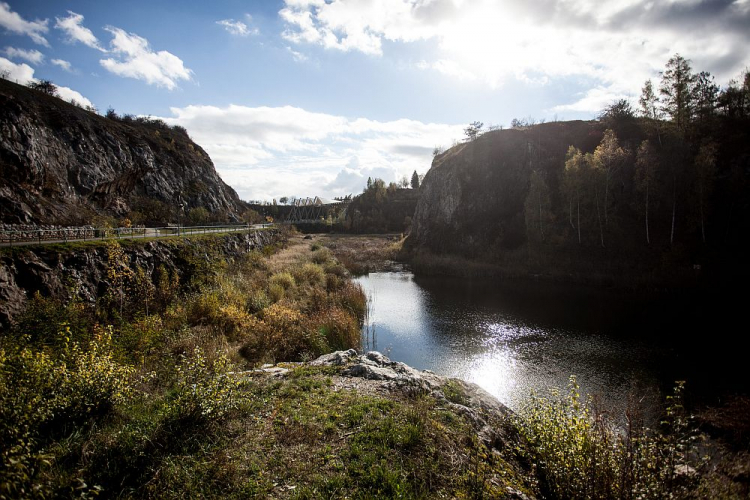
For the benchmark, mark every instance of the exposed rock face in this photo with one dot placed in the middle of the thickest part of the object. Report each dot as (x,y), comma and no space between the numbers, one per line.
(54,272)
(472,198)
(62,164)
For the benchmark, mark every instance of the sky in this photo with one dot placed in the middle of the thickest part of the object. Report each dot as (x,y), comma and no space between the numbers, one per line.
(312,97)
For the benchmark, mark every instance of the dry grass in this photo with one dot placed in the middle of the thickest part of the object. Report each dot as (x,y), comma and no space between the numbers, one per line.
(367,253)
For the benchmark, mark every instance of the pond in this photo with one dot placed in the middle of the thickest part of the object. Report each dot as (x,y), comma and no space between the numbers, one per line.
(512,338)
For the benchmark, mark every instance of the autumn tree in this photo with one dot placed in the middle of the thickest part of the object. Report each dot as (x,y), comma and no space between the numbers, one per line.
(574,177)
(677,82)
(608,158)
(646,164)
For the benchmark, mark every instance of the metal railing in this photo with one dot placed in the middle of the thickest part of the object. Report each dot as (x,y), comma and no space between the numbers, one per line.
(64,235)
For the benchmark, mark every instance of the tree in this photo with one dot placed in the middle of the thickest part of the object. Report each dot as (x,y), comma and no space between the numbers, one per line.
(609,158)
(646,164)
(677,87)
(404,182)
(735,100)
(283,200)
(618,112)
(649,103)
(705,172)
(576,166)
(473,131)
(44,86)
(706,94)
(415,180)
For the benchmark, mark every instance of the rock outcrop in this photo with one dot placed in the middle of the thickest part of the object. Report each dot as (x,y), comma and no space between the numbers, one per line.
(472,199)
(82,271)
(62,164)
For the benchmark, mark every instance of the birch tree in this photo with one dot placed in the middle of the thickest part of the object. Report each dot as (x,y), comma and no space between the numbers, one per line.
(574,176)
(645,173)
(608,158)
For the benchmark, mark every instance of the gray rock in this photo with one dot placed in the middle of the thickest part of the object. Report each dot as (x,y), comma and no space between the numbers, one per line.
(337,358)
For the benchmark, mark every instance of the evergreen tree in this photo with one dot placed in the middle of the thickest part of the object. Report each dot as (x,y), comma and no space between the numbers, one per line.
(415,180)
(677,88)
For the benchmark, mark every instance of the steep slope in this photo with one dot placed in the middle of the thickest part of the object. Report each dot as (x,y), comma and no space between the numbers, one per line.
(62,164)
(472,198)
(507,200)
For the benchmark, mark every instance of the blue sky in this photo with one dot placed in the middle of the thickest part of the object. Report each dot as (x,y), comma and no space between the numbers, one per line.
(310,97)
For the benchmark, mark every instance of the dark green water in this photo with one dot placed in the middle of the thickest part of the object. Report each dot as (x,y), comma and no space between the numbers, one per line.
(513,338)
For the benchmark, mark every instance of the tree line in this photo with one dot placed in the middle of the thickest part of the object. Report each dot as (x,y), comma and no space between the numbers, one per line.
(671,173)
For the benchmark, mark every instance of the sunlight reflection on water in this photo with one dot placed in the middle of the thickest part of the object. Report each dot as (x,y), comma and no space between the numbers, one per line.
(498,341)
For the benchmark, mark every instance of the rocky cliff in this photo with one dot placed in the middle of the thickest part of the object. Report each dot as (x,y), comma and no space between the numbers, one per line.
(81,270)
(472,199)
(63,164)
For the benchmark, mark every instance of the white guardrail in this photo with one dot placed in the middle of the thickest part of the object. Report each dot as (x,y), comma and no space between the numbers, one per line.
(66,234)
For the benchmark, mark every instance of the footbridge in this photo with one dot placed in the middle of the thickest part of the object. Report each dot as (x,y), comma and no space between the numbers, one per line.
(315,209)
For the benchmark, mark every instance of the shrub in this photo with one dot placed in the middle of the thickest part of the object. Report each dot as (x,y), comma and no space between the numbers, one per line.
(283,334)
(581,453)
(352,297)
(40,392)
(321,256)
(205,389)
(339,327)
(257,300)
(310,274)
(283,279)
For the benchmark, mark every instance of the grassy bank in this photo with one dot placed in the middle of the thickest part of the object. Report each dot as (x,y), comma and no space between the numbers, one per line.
(106,395)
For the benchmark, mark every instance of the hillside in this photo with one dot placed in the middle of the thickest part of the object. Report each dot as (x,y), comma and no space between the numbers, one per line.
(616,200)
(60,164)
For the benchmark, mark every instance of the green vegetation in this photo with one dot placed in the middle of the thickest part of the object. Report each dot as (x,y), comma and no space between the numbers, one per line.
(86,407)
(381,208)
(581,453)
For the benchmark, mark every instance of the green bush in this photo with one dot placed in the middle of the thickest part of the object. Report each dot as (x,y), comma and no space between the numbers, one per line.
(580,453)
(204,388)
(310,274)
(42,394)
(283,279)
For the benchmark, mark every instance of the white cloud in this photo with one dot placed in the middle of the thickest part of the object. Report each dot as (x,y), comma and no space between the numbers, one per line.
(298,56)
(68,94)
(76,31)
(238,27)
(33,56)
(19,73)
(616,44)
(14,23)
(135,59)
(23,74)
(63,64)
(269,152)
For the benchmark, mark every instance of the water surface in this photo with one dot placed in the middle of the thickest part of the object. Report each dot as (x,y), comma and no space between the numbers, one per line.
(512,338)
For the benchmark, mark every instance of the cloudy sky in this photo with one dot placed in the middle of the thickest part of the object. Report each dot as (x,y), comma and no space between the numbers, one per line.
(310,97)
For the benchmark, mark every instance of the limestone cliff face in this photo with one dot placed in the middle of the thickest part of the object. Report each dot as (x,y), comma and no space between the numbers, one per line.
(62,164)
(62,272)
(471,200)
